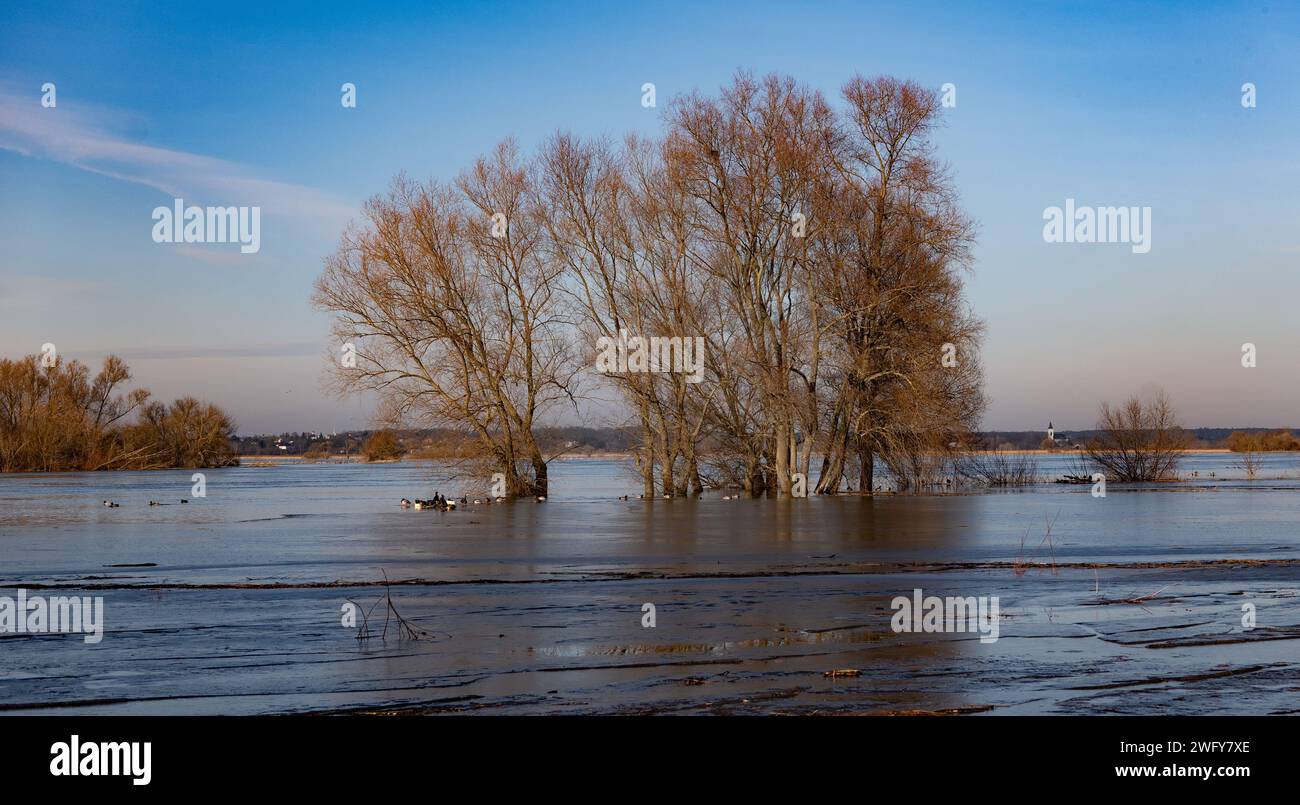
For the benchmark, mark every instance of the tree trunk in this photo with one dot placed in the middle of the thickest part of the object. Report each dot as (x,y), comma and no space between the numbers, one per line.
(868,471)
(833,463)
(782,448)
(540,480)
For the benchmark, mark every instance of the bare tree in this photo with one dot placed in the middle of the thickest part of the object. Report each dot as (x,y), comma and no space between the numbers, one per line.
(449,301)
(1139,440)
(619,225)
(895,242)
(748,161)
(817,252)
(1249,449)
(187,433)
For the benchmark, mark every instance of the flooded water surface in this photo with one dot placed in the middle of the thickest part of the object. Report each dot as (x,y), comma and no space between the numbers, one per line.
(1173,598)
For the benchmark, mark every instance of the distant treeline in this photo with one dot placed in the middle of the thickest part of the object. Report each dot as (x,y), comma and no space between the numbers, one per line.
(1261,441)
(1264,439)
(443,442)
(58,418)
(426,442)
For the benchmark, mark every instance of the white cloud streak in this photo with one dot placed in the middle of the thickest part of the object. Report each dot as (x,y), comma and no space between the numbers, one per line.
(81,136)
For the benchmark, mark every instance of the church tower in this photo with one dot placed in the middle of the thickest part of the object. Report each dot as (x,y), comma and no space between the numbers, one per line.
(1051,432)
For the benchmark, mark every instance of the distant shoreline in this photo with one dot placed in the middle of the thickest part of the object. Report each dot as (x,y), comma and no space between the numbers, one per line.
(266,461)
(1038,452)
(253,461)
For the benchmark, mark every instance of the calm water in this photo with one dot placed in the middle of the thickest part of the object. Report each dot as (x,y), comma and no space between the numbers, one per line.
(228,604)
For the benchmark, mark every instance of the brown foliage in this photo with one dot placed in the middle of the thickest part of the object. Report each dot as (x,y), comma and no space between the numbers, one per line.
(57,418)
(381,446)
(817,251)
(453,324)
(1273,441)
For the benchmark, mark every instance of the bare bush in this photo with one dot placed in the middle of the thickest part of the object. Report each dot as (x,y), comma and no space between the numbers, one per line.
(1249,450)
(997,467)
(1139,440)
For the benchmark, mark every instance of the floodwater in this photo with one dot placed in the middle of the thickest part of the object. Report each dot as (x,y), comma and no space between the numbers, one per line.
(234,603)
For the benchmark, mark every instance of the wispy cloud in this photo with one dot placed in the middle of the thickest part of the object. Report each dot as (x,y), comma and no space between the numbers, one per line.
(83,136)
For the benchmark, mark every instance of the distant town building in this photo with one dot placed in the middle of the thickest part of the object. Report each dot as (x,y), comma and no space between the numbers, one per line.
(1058,439)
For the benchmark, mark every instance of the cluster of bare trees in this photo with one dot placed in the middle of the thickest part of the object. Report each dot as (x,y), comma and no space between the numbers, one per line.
(817,249)
(1262,442)
(59,418)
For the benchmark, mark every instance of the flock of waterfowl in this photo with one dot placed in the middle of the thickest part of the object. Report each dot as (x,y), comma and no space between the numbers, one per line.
(438,502)
(115,505)
(670,497)
(443,504)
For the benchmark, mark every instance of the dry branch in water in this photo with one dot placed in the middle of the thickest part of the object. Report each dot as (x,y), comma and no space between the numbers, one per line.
(405,629)
(1023,563)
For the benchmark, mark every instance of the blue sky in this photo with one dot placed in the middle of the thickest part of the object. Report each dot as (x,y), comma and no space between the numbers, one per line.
(232,103)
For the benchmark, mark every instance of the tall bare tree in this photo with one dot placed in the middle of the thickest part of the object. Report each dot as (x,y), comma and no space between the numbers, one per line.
(891,255)
(818,252)
(450,303)
(622,227)
(749,160)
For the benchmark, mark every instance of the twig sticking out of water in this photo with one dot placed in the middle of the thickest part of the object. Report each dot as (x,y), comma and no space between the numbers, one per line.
(1023,563)
(363,631)
(1137,600)
(1144,598)
(405,629)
